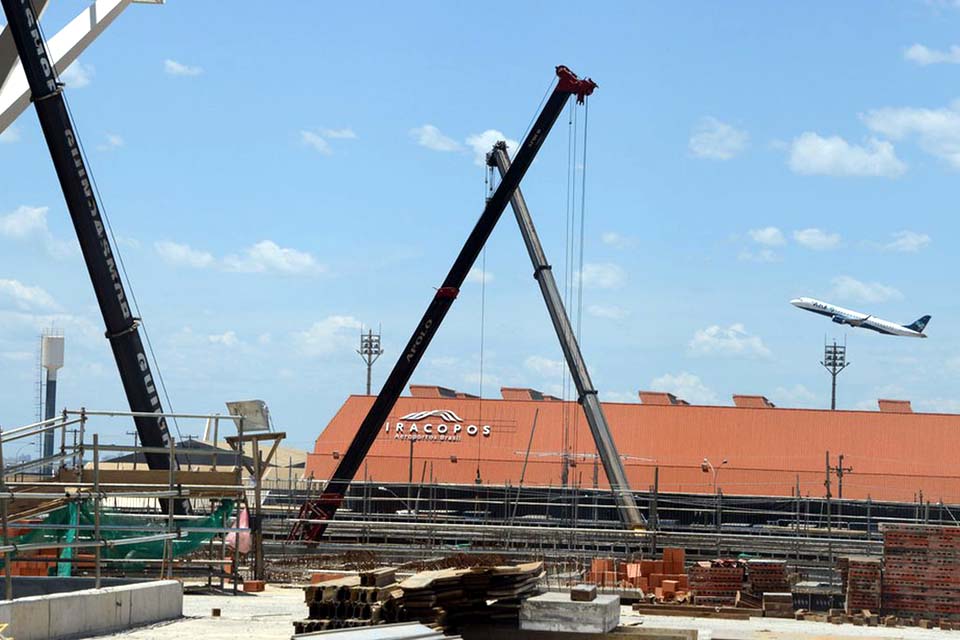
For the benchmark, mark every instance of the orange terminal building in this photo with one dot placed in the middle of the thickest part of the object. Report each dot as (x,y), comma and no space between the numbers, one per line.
(450,437)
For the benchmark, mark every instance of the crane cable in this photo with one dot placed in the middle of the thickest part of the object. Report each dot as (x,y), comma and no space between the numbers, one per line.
(582,241)
(568,279)
(488,181)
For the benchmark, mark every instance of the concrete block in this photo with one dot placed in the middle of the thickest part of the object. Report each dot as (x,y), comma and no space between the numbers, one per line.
(557,613)
(28,618)
(92,611)
(163,601)
(67,614)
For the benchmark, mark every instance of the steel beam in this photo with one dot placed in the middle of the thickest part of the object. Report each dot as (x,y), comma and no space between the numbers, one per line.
(65,48)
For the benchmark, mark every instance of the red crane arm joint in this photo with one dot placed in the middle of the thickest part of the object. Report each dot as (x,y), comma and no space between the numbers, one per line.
(570,83)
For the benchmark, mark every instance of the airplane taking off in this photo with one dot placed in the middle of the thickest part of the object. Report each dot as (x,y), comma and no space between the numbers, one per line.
(862,320)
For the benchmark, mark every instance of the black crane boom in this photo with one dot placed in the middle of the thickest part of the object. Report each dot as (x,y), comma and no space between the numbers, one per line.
(62,141)
(310,525)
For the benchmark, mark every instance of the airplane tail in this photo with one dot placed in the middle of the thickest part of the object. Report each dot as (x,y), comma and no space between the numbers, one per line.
(918,325)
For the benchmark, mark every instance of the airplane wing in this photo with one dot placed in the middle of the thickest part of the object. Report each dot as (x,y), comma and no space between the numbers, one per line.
(852,320)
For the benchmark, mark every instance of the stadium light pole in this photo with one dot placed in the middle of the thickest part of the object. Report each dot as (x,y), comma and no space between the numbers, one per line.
(834,361)
(369,350)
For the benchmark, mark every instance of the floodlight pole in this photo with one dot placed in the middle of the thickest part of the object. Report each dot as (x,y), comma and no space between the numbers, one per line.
(370,350)
(834,361)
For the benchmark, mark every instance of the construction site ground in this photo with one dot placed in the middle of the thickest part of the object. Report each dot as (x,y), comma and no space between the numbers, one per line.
(269,615)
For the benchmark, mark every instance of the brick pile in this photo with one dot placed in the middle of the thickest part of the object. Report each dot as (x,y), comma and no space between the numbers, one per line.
(716,582)
(921,576)
(862,584)
(665,578)
(767,576)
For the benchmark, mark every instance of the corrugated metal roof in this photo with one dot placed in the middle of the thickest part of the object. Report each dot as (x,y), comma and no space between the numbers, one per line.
(894,455)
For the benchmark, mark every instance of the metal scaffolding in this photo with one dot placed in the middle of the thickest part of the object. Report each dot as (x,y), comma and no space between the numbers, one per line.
(27,494)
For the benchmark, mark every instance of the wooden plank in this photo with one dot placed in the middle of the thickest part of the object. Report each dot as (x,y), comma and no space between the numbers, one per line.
(161,477)
(724,613)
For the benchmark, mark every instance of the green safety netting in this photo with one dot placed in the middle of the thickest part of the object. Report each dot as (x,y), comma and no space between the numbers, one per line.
(62,527)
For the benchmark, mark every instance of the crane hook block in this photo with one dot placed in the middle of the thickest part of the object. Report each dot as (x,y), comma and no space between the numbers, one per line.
(447,292)
(570,83)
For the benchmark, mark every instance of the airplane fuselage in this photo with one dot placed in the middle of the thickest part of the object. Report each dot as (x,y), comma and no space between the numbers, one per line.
(852,318)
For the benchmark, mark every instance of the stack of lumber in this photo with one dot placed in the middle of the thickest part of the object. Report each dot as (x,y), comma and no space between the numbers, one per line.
(766,576)
(862,584)
(921,576)
(778,605)
(371,598)
(451,597)
(716,582)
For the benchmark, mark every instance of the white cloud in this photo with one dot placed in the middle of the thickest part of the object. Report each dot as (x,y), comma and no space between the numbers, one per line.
(23,222)
(10,135)
(907,241)
(31,222)
(795,396)
(625,397)
(763,255)
(339,134)
(316,141)
(769,236)
(685,386)
(77,75)
(268,256)
(731,341)
(545,367)
(265,256)
(482,143)
(319,140)
(430,137)
(479,276)
(717,140)
(26,297)
(846,287)
(183,255)
(816,239)
(603,276)
(616,240)
(936,130)
(923,55)
(227,339)
(610,312)
(811,154)
(333,333)
(112,141)
(174,68)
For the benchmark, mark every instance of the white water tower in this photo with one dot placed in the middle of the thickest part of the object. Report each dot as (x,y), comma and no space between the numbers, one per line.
(51,358)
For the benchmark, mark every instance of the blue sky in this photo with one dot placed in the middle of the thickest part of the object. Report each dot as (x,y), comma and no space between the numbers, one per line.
(278,178)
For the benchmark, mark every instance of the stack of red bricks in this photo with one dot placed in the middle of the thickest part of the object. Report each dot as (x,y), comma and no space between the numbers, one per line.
(666,577)
(604,572)
(716,582)
(921,576)
(862,584)
(767,576)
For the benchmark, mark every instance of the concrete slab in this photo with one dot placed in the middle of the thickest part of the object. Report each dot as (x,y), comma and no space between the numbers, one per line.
(83,613)
(557,612)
